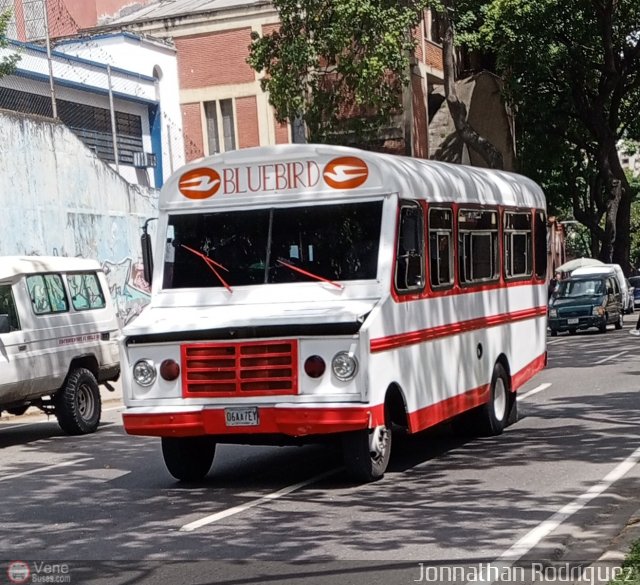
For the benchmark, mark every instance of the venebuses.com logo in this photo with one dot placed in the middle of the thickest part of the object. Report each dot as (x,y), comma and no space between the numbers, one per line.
(21,572)
(18,572)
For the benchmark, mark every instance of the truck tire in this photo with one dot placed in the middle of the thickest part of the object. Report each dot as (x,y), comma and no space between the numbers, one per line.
(77,404)
(188,458)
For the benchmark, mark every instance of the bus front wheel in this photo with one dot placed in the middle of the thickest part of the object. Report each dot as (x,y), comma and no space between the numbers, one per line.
(188,458)
(366,453)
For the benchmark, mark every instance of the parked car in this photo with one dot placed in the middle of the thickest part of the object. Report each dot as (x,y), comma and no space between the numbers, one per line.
(635,283)
(631,302)
(585,301)
(58,339)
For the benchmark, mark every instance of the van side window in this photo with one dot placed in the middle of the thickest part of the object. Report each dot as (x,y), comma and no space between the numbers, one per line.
(85,291)
(441,247)
(477,245)
(410,252)
(8,314)
(47,293)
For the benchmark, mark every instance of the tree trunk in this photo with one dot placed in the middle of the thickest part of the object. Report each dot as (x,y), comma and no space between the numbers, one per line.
(489,153)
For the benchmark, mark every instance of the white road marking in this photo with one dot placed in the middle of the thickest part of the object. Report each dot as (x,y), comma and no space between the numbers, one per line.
(544,529)
(534,391)
(45,468)
(611,357)
(243,507)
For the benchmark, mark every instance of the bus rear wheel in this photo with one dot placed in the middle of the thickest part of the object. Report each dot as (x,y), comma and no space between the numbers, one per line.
(366,453)
(188,458)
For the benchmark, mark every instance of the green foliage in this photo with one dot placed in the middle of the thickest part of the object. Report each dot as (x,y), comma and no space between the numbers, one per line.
(339,65)
(7,63)
(572,76)
(630,573)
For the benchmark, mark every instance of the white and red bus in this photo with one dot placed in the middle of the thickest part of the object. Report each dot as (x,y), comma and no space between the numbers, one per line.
(307,291)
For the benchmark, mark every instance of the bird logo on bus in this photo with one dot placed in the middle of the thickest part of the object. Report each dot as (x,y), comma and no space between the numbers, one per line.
(200,183)
(346,172)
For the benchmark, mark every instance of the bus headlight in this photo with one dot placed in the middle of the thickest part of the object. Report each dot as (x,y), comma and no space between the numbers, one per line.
(344,366)
(598,311)
(553,313)
(144,372)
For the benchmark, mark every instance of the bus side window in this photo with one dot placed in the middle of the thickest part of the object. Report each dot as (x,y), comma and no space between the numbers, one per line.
(410,251)
(441,247)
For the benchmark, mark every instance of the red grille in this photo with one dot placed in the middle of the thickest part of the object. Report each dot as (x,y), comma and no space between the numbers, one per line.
(240,369)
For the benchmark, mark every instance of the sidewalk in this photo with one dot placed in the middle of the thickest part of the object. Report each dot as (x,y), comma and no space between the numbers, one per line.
(108,399)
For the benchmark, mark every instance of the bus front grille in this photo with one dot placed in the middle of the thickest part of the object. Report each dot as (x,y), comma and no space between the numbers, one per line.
(239,369)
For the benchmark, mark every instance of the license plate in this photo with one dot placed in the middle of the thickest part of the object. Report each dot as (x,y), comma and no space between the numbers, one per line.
(573,321)
(242,417)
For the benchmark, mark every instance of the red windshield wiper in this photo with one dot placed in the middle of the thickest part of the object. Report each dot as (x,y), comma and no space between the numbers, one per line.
(309,274)
(211,264)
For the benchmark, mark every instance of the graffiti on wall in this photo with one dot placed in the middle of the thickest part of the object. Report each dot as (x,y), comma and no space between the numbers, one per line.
(128,288)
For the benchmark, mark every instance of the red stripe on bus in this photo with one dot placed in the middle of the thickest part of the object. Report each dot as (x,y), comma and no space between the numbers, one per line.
(422,335)
(445,409)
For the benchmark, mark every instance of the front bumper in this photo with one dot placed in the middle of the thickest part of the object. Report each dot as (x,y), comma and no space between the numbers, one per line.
(563,324)
(292,421)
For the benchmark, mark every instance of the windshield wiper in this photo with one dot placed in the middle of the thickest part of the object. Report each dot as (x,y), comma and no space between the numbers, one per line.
(212,264)
(309,274)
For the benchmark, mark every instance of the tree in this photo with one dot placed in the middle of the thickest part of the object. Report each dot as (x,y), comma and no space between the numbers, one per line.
(340,66)
(572,73)
(8,62)
(457,108)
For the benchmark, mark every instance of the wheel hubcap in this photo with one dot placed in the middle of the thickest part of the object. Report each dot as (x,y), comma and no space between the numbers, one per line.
(85,402)
(378,443)
(499,399)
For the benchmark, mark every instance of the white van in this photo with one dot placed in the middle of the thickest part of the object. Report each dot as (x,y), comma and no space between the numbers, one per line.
(58,338)
(608,269)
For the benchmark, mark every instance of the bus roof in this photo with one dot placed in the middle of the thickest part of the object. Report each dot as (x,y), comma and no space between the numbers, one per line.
(298,172)
(11,266)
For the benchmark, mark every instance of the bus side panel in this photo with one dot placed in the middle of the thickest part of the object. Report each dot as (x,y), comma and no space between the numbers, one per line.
(441,351)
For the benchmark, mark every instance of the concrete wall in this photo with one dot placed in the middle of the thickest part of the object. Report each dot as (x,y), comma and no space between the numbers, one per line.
(58,198)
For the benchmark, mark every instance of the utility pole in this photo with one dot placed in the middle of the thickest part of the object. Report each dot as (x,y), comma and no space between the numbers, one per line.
(54,106)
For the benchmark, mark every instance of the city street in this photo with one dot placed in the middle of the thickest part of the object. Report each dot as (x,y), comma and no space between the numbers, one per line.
(556,486)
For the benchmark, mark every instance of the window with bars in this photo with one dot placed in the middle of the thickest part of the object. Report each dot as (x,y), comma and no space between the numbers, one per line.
(91,124)
(220,122)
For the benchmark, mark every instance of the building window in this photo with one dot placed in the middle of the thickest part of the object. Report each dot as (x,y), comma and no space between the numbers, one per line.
(90,124)
(220,123)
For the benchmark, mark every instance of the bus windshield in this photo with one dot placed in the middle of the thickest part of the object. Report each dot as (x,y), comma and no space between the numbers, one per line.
(265,246)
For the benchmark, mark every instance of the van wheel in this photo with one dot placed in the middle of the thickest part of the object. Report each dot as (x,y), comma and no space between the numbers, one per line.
(188,458)
(603,328)
(620,321)
(491,418)
(366,453)
(77,405)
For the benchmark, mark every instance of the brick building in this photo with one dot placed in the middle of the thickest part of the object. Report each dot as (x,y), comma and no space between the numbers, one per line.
(223,106)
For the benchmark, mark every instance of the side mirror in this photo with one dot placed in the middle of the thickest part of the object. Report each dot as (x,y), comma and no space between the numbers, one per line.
(147,252)
(610,290)
(147,257)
